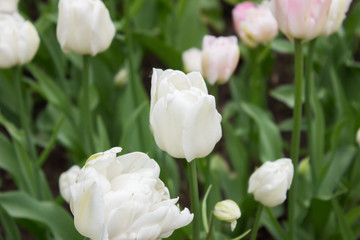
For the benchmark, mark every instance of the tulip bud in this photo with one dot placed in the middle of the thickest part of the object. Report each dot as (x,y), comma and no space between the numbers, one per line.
(220,57)
(183,117)
(304,166)
(19,40)
(301,19)
(270,182)
(254,24)
(358,137)
(227,211)
(122,197)
(337,14)
(8,6)
(192,60)
(121,77)
(67,179)
(84,26)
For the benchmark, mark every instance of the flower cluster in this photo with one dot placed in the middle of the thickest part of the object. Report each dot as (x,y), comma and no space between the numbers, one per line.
(121,197)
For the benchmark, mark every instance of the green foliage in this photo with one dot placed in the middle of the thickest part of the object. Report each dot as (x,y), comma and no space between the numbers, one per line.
(255,105)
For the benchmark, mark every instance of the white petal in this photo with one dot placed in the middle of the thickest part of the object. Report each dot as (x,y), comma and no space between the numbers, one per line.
(87,206)
(202,128)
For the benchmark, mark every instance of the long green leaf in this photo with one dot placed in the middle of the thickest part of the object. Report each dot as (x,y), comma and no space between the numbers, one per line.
(338,164)
(345,229)
(21,205)
(9,225)
(270,141)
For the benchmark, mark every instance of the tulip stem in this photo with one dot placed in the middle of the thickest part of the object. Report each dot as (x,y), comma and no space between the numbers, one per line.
(257,222)
(308,91)
(295,140)
(86,108)
(25,123)
(194,198)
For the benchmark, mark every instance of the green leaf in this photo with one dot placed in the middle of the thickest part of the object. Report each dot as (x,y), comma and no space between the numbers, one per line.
(54,94)
(9,163)
(170,56)
(282,46)
(333,173)
(345,229)
(204,210)
(285,94)
(9,225)
(129,125)
(21,205)
(270,143)
(102,140)
(238,155)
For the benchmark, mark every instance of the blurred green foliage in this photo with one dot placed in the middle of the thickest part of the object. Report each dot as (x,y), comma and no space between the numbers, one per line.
(154,33)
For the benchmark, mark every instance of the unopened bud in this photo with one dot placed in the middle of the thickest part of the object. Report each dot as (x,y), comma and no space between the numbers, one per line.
(227,211)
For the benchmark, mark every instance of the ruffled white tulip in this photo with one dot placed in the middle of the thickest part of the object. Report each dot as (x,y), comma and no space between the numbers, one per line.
(254,24)
(67,179)
(270,182)
(8,6)
(192,60)
(183,116)
(19,40)
(122,197)
(336,16)
(220,57)
(227,211)
(84,26)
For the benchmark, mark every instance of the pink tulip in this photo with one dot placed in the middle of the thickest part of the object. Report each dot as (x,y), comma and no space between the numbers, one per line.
(220,57)
(301,19)
(254,23)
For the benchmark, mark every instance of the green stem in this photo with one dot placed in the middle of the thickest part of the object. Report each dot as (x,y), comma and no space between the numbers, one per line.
(257,222)
(86,108)
(194,198)
(295,140)
(276,223)
(25,123)
(308,111)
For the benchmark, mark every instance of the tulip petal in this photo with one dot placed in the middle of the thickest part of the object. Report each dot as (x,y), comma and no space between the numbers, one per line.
(167,123)
(202,129)
(87,206)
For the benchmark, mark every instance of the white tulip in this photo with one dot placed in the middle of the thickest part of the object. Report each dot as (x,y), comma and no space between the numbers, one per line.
(270,182)
(84,26)
(19,40)
(337,14)
(8,6)
(220,57)
(122,197)
(67,179)
(227,211)
(192,60)
(183,116)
